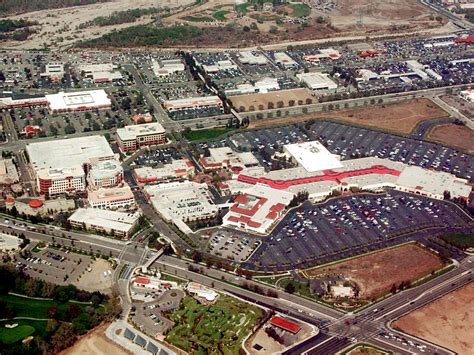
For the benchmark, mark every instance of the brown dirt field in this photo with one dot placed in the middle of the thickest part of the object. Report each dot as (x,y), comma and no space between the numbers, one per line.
(457,136)
(376,273)
(447,321)
(400,118)
(256,100)
(96,343)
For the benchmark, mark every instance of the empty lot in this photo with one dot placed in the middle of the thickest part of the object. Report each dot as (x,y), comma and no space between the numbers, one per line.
(447,321)
(260,102)
(453,135)
(376,273)
(400,118)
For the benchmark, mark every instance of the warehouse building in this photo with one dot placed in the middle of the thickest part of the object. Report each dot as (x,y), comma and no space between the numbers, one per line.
(131,138)
(167,67)
(78,101)
(119,224)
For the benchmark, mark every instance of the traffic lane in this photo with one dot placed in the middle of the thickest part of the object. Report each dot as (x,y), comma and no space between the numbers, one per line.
(308,308)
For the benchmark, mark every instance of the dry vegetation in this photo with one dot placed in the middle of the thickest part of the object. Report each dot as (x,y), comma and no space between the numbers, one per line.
(453,135)
(259,102)
(447,321)
(400,118)
(376,273)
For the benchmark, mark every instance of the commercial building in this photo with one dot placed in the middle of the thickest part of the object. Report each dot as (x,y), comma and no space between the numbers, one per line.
(252,58)
(257,209)
(180,202)
(54,71)
(100,73)
(106,173)
(285,324)
(201,292)
(131,138)
(8,172)
(113,198)
(317,81)
(57,181)
(193,103)
(60,164)
(177,169)
(285,60)
(120,224)
(262,197)
(167,67)
(326,53)
(313,156)
(225,157)
(9,99)
(78,101)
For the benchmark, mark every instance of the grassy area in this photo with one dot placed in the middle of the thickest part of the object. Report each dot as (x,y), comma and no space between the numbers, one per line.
(10,336)
(264,18)
(198,18)
(204,134)
(301,288)
(219,328)
(243,8)
(39,325)
(168,277)
(300,10)
(26,307)
(220,15)
(271,280)
(462,241)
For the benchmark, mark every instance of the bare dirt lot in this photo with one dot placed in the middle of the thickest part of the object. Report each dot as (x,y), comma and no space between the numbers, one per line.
(457,136)
(96,343)
(259,102)
(95,279)
(58,27)
(400,118)
(380,13)
(376,273)
(447,321)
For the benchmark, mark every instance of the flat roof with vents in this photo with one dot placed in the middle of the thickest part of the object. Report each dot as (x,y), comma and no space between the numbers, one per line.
(313,156)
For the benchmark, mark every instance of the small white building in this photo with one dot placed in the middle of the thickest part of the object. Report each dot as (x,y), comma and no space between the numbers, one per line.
(317,81)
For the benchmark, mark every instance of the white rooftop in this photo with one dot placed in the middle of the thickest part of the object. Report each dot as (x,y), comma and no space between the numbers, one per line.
(132,132)
(317,81)
(78,100)
(119,221)
(313,156)
(66,153)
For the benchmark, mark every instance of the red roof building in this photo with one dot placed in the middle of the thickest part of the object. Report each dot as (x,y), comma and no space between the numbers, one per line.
(285,324)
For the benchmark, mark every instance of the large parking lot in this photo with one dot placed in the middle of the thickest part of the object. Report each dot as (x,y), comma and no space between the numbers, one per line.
(232,245)
(352,142)
(54,265)
(351,224)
